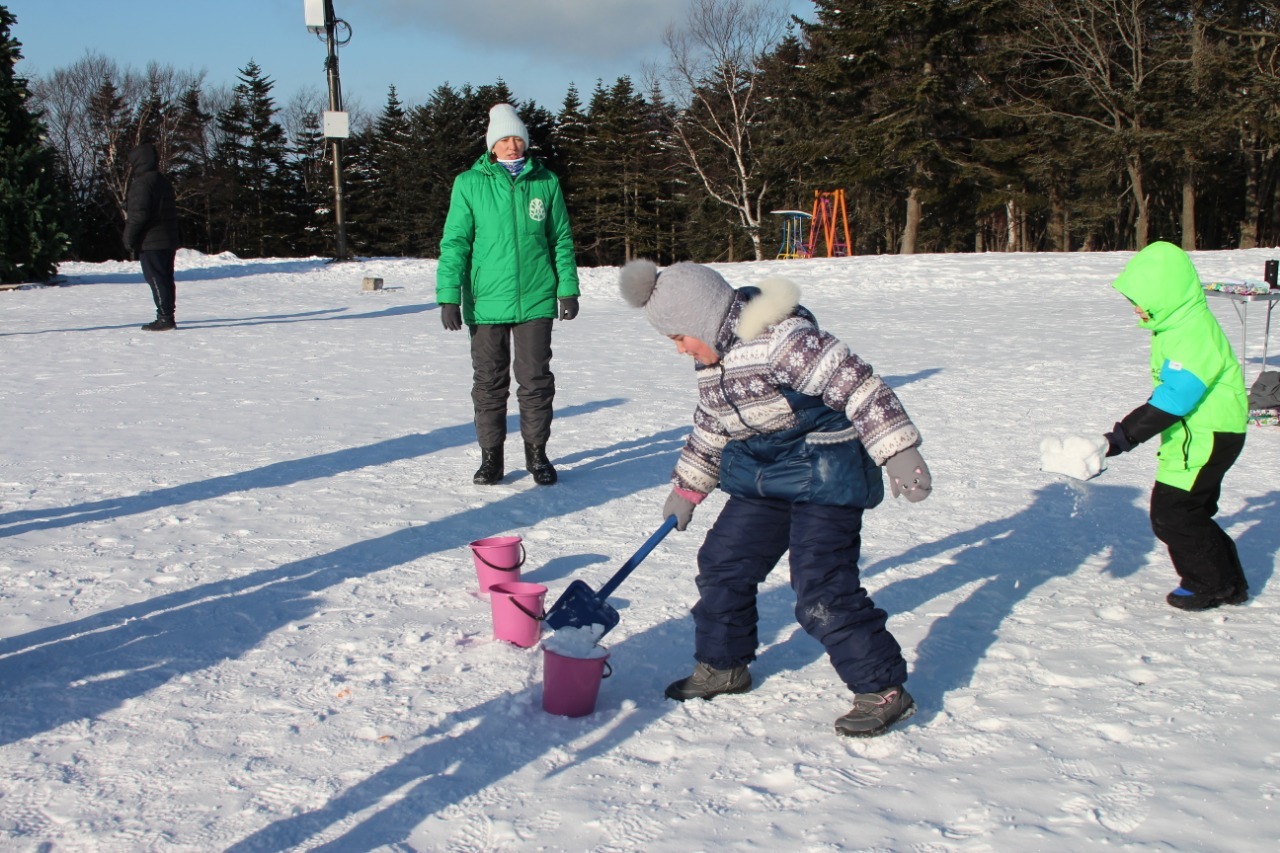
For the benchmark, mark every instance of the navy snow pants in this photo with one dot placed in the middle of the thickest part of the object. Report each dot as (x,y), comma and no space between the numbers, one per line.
(746,542)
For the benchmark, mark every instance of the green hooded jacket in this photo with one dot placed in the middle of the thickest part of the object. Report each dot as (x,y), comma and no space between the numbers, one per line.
(1196,375)
(507,251)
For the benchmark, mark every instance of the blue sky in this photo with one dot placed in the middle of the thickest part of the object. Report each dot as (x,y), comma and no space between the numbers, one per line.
(538,47)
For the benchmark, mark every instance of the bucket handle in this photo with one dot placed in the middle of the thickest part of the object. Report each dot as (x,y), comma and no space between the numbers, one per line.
(481,558)
(526,612)
(608,670)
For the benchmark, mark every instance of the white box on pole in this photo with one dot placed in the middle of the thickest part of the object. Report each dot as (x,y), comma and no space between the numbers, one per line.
(337,125)
(314,11)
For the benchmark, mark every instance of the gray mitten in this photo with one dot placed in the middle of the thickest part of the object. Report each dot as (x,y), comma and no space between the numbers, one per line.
(679,506)
(908,475)
(451,317)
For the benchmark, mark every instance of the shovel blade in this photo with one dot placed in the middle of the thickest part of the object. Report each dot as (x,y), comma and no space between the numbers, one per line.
(579,607)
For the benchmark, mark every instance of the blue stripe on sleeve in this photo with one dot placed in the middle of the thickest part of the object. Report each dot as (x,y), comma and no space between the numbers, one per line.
(1179,390)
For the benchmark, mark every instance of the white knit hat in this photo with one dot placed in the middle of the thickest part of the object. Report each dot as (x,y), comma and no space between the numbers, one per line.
(684,299)
(504,122)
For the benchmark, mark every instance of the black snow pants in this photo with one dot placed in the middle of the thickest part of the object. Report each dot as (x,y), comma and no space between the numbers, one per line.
(1203,554)
(492,365)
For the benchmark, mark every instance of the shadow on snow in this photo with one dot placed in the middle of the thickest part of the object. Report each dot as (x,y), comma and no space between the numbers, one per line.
(1007,561)
(188,324)
(271,476)
(84,669)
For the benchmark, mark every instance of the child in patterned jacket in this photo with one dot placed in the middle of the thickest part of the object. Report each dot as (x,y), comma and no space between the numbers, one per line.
(795,428)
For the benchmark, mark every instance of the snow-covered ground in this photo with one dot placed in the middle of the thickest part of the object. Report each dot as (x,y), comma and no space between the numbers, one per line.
(238,610)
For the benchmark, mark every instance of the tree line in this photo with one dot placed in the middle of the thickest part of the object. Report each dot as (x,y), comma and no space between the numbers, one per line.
(951,125)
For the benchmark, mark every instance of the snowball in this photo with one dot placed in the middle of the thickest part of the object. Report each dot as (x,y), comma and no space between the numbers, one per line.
(1081,457)
(577,642)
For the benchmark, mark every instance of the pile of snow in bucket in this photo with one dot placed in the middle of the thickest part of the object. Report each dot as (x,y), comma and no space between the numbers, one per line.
(577,642)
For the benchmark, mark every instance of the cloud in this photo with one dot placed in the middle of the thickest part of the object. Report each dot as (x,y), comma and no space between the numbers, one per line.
(557,29)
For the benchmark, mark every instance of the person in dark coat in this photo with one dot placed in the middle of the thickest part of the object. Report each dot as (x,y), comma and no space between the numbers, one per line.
(151,231)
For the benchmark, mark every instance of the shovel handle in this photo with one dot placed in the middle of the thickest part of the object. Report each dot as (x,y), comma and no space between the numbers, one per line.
(629,566)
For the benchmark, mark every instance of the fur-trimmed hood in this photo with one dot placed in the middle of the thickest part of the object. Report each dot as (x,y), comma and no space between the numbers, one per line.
(756,308)
(774,301)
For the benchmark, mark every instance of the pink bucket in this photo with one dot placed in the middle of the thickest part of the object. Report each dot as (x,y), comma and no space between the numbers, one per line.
(498,560)
(570,686)
(517,612)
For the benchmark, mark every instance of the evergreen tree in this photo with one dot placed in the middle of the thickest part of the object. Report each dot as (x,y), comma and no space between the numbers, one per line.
(616,188)
(789,122)
(1108,70)
(109,127)
(378,183)
(252,171)
(310,189)
(1235,78)
(543,141)
(447,135)
(955,125)
(595,186)
(32,239)
(189,170)
(900,79)
(571,148)
(662,232)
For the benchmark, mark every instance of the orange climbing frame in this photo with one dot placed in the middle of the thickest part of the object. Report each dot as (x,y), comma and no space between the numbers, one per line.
(831,220)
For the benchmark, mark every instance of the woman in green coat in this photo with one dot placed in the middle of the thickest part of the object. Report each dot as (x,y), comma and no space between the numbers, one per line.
(507,269)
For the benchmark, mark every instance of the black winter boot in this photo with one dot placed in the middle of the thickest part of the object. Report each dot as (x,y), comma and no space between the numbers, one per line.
(537,464)
(162,323)
(1186,600)
(490,470)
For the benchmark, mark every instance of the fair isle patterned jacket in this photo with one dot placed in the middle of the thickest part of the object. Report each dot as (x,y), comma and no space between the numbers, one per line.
(770,342)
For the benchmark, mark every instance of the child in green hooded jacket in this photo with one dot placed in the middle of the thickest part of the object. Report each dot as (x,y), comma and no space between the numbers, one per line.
(1199,409)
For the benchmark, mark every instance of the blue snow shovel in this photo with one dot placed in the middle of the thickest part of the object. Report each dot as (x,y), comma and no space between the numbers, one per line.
(580,606)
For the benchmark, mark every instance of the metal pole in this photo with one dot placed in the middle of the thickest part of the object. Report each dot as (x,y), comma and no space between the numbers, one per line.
(335,105)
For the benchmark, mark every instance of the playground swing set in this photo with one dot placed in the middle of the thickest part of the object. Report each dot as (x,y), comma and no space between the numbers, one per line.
(830,219)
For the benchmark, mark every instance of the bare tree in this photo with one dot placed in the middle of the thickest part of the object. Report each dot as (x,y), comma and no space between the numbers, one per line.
(64,97)
(1096,63)
(1255,113)
(713,78)
(92,137)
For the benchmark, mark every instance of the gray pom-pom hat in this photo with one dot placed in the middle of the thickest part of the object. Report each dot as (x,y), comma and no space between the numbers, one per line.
(683,299)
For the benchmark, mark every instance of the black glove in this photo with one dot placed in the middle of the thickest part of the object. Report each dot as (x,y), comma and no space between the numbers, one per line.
(568,307)
(451,317)
(1118,440)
